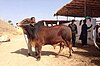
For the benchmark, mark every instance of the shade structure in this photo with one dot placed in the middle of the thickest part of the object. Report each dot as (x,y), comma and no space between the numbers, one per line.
(80,8)
(54,21)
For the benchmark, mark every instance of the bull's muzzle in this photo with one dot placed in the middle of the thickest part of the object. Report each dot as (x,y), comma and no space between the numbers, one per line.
(21,25)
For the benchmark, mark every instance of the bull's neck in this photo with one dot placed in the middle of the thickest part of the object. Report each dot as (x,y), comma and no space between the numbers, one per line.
(30,32)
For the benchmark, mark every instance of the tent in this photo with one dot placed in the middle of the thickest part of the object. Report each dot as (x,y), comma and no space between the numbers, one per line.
(80,8)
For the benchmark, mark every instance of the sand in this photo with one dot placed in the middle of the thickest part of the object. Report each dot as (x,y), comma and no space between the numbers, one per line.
(14,53)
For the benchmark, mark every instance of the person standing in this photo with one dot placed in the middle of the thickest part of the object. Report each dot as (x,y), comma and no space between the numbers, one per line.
(84,33)
(32,20)
(74,32)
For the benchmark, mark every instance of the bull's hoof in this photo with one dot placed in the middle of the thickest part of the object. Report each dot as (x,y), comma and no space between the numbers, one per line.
(56,56)
(36,54)
(29,54)
(38,59)
(72,50)
(70,56)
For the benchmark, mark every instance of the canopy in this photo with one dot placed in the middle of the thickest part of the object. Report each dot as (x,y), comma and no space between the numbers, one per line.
(54,21)
(80,8)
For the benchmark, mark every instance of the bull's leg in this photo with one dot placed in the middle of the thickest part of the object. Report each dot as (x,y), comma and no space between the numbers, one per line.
(69,44)
(70,48)
(61,48)
(54,46)
(29,48)
(38,52)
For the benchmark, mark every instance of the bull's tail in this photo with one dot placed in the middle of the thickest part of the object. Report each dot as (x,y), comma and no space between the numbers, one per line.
(69,45)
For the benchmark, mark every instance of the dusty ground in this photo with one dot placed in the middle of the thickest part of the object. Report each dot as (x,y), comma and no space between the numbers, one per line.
(14,53)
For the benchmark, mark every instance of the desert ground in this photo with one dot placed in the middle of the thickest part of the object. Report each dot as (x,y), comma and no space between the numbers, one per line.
(14,53)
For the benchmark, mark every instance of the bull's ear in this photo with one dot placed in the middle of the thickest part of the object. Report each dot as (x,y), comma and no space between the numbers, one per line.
(32,25)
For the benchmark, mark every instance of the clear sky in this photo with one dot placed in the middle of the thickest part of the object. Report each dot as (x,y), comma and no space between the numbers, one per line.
(16,10)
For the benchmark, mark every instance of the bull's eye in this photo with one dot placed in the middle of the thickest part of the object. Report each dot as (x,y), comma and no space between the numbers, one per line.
(24,21)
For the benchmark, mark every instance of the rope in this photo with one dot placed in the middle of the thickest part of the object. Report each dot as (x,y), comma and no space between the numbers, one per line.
(95,41)
(24,24)
(25,37)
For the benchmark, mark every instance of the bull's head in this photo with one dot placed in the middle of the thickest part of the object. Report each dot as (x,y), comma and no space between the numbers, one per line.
(24,23)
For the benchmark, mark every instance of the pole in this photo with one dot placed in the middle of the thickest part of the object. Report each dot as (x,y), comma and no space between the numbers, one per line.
(85,8)
(67,18)
(57,20)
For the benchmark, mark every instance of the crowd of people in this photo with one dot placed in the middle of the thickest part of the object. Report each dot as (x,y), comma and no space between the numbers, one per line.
(83,35)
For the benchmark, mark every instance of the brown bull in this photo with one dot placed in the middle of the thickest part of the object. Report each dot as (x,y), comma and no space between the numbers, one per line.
(41,35)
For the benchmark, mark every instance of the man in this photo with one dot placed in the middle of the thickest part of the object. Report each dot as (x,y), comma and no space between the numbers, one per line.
(84,33)
(74,31)
(32,20)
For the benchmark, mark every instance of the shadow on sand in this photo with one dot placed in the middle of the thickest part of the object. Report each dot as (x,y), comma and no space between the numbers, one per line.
(90,52)
(24,52)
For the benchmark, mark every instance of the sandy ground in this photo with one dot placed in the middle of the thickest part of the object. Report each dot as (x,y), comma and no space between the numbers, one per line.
(14,53)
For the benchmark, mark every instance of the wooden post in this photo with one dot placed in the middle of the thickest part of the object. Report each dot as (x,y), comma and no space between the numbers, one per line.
(74,18)
(57,21)
(51,24)
(67,18)
(44,23)
(85,8)
(57,17)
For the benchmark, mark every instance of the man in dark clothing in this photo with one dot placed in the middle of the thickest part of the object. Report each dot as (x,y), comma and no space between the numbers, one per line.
(84,33)
(74,31)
